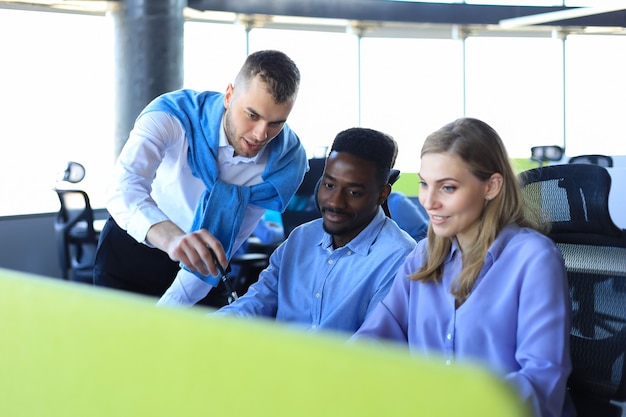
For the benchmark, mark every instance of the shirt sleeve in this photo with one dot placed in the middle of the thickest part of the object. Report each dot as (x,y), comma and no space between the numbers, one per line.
(543,334)
(185,291)
(261,299)
(389,318)
(130,202)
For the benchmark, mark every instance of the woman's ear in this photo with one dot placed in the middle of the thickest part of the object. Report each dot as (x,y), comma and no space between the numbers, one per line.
(494,185)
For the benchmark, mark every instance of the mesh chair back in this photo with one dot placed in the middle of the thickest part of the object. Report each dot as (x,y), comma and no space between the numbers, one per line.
(574,199)
(598,334)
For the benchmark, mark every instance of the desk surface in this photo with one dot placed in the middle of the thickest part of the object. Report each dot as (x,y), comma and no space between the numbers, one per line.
(256,246)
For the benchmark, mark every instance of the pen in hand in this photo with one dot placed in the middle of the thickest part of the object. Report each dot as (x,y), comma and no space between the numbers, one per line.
(225,279)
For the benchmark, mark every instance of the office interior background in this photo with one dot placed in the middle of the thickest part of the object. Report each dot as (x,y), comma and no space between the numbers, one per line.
(535,85)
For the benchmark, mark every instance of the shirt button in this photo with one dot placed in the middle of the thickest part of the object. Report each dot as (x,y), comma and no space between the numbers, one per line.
(314,327)
(349,252)
(449,336)
(317,295)
(330,262)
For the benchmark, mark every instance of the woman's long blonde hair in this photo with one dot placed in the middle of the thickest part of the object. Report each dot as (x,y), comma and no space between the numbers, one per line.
(481,148)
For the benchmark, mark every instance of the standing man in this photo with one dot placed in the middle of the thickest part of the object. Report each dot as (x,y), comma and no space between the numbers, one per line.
(331,272)
(197,173)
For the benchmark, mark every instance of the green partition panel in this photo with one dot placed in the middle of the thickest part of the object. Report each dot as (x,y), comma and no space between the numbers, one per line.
(68,349)
(408,184)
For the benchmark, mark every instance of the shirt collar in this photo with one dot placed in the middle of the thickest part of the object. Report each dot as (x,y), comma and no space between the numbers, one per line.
(455,249)
(495,249)
(362,242)
(500,243)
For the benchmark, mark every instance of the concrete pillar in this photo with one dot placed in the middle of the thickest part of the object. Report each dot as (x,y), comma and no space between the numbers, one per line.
(148,57)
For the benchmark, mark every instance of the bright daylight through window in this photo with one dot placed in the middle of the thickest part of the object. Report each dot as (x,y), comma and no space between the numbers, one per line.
(57,91)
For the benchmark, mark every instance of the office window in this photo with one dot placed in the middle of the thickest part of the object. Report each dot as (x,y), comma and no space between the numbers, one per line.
(595,92)
(410,94)
(498,2)
(328,99)
(516,86)
(214,52)
(57,89)
(518,2)
(56,105)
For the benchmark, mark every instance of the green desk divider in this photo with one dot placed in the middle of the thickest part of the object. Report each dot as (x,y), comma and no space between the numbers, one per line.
(67,349)
(408,184)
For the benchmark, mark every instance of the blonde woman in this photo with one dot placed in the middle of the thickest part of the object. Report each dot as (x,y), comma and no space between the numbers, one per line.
(485,286)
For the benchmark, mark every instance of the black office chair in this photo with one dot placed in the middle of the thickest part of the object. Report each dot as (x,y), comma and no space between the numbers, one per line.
(394,175)
(292,218)
(76,238)
(303,206)
(602,160)
(574,200)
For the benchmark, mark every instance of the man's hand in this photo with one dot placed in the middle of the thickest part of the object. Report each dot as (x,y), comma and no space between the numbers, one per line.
(192,249)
